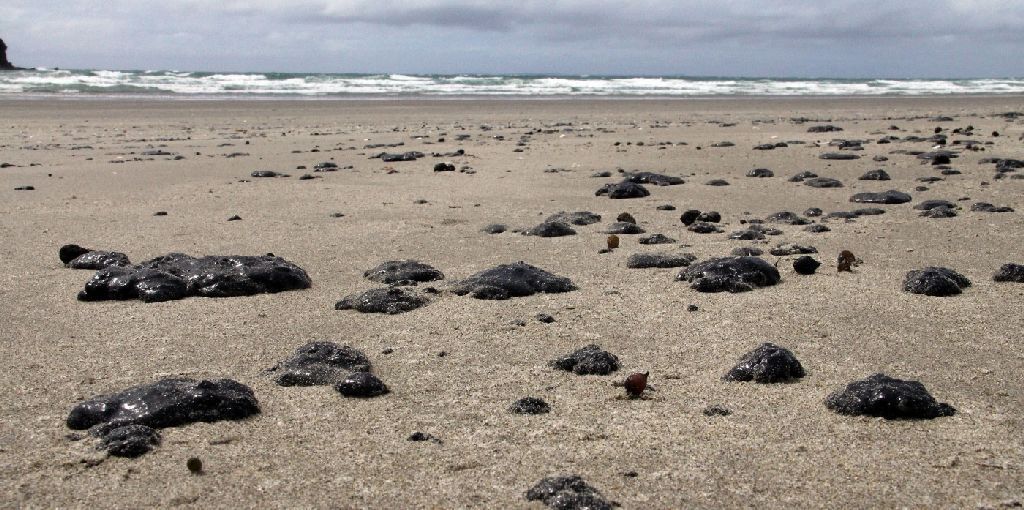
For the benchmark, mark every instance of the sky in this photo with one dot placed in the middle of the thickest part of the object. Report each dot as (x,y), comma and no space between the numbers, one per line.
(763,38)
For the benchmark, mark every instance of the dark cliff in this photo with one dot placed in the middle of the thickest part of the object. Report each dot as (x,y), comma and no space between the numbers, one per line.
(5,65)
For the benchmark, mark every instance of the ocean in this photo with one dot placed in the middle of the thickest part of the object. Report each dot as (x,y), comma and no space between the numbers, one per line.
(196,85)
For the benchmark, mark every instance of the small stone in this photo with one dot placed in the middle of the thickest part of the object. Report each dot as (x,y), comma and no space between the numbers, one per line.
(786,249)
(659,260)
(692,308)
(928,205)
(747,235)
(403,271)
(166,403)
(733,274)
(624,228)
(939,212)
(623,190)
(529,405)
(710,217)
(760,172)
(704,228)
(886,197)
(787,217)
(545,318)
(656,239)
(1010,273)
(987,207)
(235,218)
(625,218)
(567,493)
(194,465)
(935,281)
(423,436)
(444,167)
(176,276)
(388,300)
(889,398)
(766,364)
(362,385)
(689,217)
(613,242)
(653,178)
(839,156)
(70,252)
(129,440)
(805,265)
(551,229)
(318,364)
(875,175)
(666,207)
(588,360)
(802,176)
(98,259)
(823,182)
(512,280)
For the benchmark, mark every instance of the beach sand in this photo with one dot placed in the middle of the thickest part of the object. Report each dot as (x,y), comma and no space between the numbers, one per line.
(310,447)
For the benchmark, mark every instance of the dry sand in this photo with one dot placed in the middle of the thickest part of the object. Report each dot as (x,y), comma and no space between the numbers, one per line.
(312,448)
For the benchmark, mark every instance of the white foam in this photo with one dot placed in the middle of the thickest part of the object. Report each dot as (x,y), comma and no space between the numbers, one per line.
(318,85)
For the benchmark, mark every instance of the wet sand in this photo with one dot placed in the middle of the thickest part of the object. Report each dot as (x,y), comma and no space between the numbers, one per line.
(310,447)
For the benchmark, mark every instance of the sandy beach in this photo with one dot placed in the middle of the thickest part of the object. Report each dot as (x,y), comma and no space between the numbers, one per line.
(455,365)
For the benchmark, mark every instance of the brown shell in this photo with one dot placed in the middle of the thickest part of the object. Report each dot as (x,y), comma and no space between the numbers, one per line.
(636,384)
(613,242)
(845,261)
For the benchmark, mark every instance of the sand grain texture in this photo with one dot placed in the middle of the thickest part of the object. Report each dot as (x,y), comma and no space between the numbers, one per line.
(310,447)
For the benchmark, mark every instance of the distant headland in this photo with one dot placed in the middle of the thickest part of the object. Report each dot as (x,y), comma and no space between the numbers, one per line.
(5,65)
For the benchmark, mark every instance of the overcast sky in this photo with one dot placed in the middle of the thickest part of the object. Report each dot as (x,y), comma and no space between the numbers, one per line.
(800,38)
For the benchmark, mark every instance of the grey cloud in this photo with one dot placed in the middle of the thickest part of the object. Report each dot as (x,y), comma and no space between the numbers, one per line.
(693,18)
(722,37)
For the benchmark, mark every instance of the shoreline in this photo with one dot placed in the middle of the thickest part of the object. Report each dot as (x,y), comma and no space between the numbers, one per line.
(283,98)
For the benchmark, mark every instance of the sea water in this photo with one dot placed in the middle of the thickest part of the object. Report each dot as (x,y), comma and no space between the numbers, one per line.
(100,83)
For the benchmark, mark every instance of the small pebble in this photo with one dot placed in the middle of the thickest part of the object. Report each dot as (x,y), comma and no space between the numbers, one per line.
(529,405)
